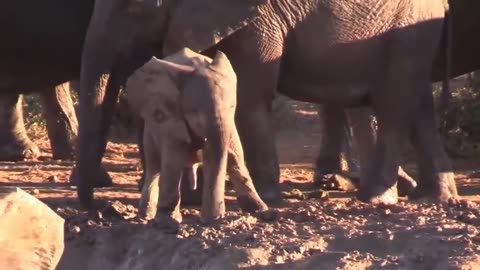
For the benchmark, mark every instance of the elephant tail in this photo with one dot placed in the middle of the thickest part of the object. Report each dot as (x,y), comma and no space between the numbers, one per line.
(447,47)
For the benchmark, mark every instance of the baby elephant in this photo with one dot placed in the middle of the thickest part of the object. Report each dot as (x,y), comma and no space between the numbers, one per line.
(188,105)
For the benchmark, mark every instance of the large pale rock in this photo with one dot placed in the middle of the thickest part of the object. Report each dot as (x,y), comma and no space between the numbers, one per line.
(31,234)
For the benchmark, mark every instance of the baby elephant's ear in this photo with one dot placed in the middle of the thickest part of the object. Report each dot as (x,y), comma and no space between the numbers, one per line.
(175,72)
(221,64)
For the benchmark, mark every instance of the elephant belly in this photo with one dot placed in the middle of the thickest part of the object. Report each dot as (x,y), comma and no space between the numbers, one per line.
(32,78)
(344,49)
(347,95)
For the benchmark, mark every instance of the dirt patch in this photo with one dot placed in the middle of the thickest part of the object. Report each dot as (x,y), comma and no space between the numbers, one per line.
(321,232)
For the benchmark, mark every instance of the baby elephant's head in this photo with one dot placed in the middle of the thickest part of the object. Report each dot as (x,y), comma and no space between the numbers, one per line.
(190,95)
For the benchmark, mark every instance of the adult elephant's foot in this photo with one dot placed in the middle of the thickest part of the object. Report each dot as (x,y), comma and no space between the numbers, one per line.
(168,223)
(378,195)
(271,194)
(18,149)
(101,178)
(444,190)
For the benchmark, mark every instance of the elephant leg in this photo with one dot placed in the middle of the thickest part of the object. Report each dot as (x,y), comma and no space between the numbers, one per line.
(189,197)
(174,156)
(256,60)
(62,125)
(329,158)
(381,186)
(141,151)
(436,178)
(247,196)
(364,136)
(147,207)
(14,142)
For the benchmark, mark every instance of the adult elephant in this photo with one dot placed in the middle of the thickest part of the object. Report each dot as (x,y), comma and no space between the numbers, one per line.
(60,117)
(465,57)
(40,51)
(358,53)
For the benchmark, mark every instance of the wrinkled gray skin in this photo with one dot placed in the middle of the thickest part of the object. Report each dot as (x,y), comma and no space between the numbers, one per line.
(188,105)
(350,53)
(60,118)
(465,58)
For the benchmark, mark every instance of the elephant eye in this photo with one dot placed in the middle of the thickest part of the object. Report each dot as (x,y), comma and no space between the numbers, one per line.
(158,116)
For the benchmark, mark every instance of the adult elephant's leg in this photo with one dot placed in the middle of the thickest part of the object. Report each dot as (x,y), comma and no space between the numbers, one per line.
(436,178)
(14,142)
(329,157)
(62,125)
(381,186)
(364,136)
(256,60)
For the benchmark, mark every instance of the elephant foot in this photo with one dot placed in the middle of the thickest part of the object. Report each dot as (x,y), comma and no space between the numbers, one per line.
(406,184)
(102,179)
(378,195)
(444,190)
(66,153)
(168,223)
(19,150)
(270,194)
(251,205)
(146,210)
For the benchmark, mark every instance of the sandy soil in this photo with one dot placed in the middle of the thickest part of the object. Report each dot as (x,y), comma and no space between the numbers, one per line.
(322,231)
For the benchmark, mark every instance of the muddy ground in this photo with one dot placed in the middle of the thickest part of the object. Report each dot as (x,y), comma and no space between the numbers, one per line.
(325,231)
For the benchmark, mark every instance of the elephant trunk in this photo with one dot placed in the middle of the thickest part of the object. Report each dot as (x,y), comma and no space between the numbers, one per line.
(97,97)
(215,167)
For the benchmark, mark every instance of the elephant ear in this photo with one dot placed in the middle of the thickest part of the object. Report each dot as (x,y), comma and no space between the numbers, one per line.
(201,24)
(222,65)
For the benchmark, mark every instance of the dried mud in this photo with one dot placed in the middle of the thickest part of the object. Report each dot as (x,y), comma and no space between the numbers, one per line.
(319,232)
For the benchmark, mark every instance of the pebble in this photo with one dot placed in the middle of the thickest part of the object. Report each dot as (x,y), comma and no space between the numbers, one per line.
(52,179)
(76,229)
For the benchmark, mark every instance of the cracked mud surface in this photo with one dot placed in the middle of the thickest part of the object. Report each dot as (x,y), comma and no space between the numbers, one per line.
(319,232)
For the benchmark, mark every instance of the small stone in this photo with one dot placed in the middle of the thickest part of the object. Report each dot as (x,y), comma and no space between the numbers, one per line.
(317,194)
(267,215)
(35,191)
(386,212)
(52,179)
(302,216)
(279,259)
(294,194)
(119,210)
(75,229)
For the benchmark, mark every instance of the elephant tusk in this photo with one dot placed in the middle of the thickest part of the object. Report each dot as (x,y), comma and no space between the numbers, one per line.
(193,179)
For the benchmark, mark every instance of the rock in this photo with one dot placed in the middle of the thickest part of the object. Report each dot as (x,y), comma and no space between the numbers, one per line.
(335,182)
(31,234)
(119,210)
(52,179)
